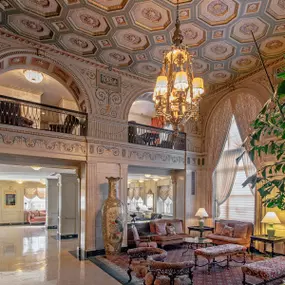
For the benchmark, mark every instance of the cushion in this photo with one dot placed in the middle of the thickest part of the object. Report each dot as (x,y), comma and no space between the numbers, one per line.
(228,231)
(240,230)
(219,228)
(215,251)
(177,224)
(170,230)
(266,269)
(148,244)
(167,238)
(160,228)
(152,227)
(226,239)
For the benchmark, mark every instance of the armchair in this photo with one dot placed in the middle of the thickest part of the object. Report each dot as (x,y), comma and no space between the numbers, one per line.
(142,241)
(67,127)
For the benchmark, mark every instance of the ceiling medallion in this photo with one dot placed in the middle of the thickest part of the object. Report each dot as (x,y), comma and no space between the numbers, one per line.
(177,93)
(33,76)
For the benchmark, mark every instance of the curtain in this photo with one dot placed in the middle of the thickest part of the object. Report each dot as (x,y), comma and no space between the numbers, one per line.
(30,193)
(41,193)
(224,177)
(218,127)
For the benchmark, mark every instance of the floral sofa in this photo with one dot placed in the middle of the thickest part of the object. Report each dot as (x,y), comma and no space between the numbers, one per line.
(233,232)
(36,217)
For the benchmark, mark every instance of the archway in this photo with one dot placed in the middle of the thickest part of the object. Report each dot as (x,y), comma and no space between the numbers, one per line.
(60,72)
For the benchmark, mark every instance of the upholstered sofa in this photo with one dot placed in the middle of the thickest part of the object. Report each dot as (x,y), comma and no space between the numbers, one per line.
(234,232)
(158,230)
(36,217)
(162,237)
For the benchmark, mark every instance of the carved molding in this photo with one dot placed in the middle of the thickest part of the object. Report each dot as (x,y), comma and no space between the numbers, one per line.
(137,154)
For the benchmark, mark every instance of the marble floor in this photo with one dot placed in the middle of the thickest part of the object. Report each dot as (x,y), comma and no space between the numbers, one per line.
(29,255)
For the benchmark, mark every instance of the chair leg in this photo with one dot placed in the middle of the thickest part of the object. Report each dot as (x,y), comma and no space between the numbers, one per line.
(244,257)
(209,266)
(228,261)
(191,276)
(243,279)
(196,260)
(129,271)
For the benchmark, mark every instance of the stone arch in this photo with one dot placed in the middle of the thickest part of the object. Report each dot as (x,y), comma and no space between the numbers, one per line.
(23,59)
(133,96)
(232,97)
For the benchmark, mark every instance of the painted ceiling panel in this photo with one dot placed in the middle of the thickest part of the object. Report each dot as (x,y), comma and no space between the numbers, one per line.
(133,35)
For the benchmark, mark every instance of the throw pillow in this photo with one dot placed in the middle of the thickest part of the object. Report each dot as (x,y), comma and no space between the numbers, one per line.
(240,230)
(219,228)
(170,230)
(228,231)
(160,229)
(178,226)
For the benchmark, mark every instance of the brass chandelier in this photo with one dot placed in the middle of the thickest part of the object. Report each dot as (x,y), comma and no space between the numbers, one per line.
(177,93)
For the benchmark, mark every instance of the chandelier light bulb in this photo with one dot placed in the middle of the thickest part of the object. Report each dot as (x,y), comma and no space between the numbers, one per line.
(147,175)
(198,86)
(33,76)
(20,181)
(181,82)
(141,181)
(35,167)
(155,179)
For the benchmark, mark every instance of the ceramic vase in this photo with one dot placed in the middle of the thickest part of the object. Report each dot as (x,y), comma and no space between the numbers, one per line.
(113,216)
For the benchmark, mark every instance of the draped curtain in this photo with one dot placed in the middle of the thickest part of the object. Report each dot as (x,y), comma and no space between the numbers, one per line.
(31,193)
(224,177)
(217,134)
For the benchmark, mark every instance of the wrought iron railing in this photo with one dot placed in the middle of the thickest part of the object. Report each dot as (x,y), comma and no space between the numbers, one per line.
(24,113)
(156,137)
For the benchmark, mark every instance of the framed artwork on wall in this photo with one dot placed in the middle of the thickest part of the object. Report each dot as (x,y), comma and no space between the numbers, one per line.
(10,199)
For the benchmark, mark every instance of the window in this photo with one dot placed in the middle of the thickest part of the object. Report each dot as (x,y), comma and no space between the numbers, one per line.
(233,201)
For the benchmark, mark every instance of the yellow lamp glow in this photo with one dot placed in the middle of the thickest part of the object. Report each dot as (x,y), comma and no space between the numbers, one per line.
(181,82)
(270,218)
(161,84)
(198,86)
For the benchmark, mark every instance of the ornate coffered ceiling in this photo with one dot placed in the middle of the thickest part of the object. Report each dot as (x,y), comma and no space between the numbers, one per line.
(133,35)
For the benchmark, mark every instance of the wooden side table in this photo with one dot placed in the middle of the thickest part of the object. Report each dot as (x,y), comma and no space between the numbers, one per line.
(265,239)
(200,229)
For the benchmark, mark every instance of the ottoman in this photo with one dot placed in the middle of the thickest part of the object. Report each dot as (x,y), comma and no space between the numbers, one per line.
(228,250)
(268,270)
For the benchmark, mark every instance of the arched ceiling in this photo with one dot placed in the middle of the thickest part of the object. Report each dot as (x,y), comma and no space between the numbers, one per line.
(132,35)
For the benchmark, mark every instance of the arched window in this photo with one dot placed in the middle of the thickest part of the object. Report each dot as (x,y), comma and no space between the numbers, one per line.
(232,200)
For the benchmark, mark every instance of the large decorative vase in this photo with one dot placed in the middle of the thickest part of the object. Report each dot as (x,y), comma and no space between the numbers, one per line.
(113,219)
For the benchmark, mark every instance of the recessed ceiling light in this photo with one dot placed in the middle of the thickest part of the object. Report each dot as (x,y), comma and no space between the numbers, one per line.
(35,167)
(141,181)
(147,175)
(20,181)
(33,76)
(155,179)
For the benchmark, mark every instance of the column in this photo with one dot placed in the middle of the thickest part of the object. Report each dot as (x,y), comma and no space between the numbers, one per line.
(68,205)
(123,195)
(52,203)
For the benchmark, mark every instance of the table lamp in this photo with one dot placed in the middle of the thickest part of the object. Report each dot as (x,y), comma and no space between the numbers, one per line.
(202,214)
(271,219)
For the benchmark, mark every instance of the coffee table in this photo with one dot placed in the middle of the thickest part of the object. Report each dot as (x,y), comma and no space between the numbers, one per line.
(194,243)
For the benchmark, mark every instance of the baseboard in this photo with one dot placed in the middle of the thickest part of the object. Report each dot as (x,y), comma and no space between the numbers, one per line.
(69,236)
(52,227)
(90,253)
(14,224)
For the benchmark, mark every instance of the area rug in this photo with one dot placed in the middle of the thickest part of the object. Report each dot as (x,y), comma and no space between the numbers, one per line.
(116,267)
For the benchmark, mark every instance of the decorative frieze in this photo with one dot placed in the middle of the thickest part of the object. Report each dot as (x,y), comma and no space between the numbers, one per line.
(136,154)
(20,141)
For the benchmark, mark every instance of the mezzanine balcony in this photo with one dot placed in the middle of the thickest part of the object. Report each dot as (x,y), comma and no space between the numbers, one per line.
(22,113)
(155,137)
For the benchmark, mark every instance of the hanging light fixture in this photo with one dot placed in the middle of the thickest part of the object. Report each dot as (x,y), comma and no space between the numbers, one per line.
(36,168)
(177,93)
(33,76)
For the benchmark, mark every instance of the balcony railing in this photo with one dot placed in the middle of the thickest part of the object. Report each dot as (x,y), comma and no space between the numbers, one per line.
(22,113)
(156,137)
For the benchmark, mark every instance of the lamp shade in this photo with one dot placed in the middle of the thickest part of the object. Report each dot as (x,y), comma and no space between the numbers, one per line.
(181,82)
(271,218)
(201,213)
(161,84)
(198,86)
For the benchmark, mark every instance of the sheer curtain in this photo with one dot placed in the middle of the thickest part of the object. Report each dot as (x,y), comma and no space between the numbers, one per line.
(218,129)
(225,172)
